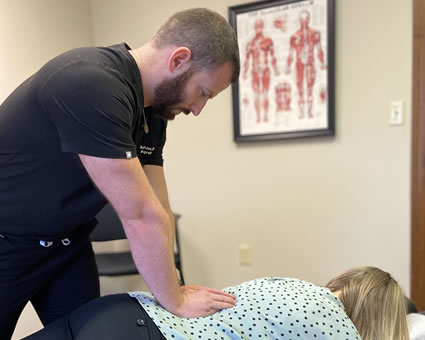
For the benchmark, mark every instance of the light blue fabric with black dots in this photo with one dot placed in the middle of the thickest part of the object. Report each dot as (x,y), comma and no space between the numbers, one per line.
(267,308)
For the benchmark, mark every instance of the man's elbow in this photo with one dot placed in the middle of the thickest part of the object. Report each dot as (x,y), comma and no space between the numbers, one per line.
(149,216)
(154,214)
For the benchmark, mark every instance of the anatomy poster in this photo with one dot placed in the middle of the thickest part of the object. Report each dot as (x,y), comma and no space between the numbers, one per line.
(284,84)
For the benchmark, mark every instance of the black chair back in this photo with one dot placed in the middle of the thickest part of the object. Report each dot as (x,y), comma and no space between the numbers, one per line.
(109,226)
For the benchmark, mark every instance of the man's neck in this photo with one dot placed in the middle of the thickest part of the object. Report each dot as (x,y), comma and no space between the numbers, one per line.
(142,59)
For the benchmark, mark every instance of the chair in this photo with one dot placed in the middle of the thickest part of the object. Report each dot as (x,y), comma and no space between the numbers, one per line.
(411,307)
(121,263)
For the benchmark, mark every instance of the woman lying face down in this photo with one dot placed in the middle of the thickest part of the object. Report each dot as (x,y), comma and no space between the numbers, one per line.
(363,303)
(373,301)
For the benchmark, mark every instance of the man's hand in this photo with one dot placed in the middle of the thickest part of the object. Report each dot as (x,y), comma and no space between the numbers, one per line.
(203,301)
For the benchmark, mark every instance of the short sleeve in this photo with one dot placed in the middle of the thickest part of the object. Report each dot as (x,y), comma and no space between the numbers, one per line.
(92,108)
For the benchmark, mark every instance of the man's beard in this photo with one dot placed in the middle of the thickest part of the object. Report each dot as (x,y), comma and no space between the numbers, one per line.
(170,93)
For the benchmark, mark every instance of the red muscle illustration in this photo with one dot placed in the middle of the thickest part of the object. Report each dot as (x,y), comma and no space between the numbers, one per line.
(303,44)
(258,51)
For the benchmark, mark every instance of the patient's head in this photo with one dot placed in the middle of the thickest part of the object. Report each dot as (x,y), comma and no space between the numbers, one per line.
(374,302)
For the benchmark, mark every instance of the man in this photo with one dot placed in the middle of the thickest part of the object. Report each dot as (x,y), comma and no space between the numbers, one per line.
(87,128)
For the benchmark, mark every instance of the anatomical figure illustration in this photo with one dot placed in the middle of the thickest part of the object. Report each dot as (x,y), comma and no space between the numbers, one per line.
(260,57)
(303,44)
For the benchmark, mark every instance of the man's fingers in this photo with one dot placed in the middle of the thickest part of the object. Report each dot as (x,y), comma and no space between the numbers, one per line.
(220,301)
(224,298)
(211,290)
(202,301)
(219,305)
(220,293)
(215,291)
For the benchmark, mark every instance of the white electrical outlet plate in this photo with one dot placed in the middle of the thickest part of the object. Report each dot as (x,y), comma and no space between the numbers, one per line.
(245,254)
(396,113)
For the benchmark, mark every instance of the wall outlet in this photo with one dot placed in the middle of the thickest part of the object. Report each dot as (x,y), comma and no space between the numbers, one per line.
(396,113)
(245,254)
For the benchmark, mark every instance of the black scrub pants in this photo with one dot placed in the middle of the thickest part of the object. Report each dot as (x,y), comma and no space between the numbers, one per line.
(111,317)
(57,275)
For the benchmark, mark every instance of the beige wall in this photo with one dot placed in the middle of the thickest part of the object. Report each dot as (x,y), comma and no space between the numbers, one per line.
(308,208)
(32,32)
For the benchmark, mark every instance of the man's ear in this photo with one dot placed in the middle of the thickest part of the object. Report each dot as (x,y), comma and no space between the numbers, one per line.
(180,59)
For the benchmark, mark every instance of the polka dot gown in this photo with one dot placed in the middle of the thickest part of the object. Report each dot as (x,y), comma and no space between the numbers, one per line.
(267,308)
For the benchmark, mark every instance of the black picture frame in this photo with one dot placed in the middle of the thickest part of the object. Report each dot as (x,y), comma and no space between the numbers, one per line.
(286,85)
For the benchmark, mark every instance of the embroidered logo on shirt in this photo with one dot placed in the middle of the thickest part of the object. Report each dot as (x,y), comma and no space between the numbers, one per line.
(146,150)
(128,154)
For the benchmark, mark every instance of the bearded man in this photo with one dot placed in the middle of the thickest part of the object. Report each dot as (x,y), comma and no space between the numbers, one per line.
(89,127)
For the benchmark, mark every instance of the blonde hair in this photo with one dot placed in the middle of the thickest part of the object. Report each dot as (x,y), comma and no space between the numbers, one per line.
(374,301)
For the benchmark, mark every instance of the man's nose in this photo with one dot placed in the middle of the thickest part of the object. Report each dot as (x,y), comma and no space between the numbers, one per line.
(197,107)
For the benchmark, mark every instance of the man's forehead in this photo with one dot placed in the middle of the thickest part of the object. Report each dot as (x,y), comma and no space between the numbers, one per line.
(217,79)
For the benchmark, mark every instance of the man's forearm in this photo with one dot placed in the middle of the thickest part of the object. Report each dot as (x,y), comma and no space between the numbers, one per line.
(156,177)
(152,245)
(145,221)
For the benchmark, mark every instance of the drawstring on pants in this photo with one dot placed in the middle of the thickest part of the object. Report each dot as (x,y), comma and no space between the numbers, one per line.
(47,244)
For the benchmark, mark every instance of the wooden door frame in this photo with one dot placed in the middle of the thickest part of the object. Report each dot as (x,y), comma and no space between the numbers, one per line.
(417,277)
